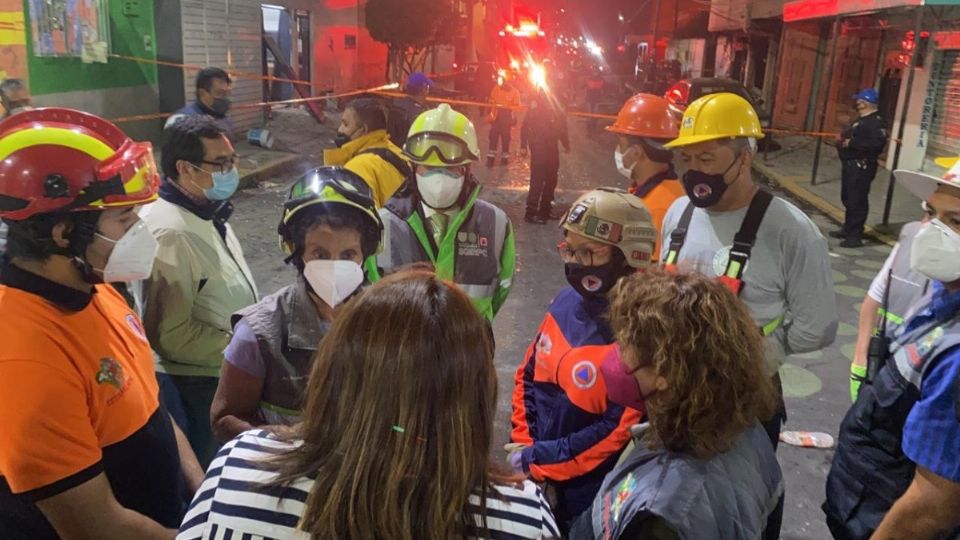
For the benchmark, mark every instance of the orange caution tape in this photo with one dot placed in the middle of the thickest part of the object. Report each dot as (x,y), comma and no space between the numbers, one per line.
(155,116)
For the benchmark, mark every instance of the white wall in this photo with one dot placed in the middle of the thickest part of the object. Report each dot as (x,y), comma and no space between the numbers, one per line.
(918,115)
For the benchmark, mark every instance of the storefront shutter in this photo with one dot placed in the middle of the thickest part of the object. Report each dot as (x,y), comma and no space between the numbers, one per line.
(226,34)
(945,124)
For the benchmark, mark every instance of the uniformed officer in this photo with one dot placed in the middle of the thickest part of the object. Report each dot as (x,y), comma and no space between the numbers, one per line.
(859,145)
(896,471)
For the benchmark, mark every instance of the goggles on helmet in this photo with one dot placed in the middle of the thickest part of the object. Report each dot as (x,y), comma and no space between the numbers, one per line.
(132,174)
(312,188)
(448,149)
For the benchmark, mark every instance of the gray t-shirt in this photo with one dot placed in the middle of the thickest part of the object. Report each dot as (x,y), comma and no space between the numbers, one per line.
(788,274)
(3,237)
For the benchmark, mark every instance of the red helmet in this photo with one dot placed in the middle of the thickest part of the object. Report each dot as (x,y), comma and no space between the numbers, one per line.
(62,160)
(646,115)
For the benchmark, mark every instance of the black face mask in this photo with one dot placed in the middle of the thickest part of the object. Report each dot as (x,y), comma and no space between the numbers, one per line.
(220,106)
(704,189)
(341,139)
(595,281)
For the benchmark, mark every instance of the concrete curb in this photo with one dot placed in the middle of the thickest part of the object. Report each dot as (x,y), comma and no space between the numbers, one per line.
(249,179)
(792,186)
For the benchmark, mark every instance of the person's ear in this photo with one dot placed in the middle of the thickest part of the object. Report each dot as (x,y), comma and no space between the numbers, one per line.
(184,168)
(661,384)
(60,234)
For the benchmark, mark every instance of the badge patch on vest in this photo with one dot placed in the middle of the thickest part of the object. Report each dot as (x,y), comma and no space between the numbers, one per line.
(624,490)
(471,244)
(930,339)
(584,375)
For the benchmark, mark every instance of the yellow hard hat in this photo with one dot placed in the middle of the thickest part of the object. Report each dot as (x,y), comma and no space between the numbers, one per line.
(442,137)
(717,116)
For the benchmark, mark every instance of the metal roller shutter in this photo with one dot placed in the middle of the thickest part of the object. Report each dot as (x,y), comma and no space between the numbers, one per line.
(227,34)
(945,124)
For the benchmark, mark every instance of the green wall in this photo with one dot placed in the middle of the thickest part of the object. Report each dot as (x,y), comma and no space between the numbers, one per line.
(51,75)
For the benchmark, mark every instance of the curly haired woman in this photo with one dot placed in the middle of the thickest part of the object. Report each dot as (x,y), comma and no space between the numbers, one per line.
(703,467)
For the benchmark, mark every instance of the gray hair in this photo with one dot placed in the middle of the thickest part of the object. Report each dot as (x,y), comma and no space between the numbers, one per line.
(11,85)
(740,145)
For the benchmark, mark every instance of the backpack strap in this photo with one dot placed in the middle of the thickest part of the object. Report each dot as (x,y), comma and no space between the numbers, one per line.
(385,154)
(744,240)
(678,237)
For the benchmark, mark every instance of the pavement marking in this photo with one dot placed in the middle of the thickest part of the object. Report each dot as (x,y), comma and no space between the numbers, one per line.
(846,329)
(850,290)
(839,277)
(867,263)
(812,355)
(799,382)
(848,349)
(865,274)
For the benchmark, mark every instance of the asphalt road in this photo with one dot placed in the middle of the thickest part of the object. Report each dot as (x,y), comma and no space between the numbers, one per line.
(816,384)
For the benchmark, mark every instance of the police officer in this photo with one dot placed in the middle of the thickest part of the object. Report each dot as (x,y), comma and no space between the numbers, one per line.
(896,471)
(437,217)
(859,146)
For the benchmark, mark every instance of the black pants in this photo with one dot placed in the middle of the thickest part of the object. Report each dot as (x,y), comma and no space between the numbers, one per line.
(543,184)
(500,135)
(856,177)
(772,427)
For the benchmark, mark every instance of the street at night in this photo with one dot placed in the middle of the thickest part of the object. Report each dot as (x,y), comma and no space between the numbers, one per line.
(816,385)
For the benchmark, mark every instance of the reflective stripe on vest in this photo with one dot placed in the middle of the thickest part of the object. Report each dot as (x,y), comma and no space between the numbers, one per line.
(904,284)
(468,254)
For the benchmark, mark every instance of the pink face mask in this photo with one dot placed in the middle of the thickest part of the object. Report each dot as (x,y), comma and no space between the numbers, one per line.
(622,386)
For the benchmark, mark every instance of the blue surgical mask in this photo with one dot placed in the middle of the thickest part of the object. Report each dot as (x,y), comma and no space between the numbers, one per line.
(224,185)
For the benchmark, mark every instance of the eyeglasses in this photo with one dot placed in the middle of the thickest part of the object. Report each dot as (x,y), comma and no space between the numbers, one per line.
(225,165)
(583,255)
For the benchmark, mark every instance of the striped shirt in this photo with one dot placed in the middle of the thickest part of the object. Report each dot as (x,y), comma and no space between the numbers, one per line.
(233,503)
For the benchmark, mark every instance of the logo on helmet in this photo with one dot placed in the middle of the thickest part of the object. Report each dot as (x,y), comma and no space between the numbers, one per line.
(688,122)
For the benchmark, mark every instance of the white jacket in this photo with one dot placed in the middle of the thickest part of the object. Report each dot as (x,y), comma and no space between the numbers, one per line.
(198,281)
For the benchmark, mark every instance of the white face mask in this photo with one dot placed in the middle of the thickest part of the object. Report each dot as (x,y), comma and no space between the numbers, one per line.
(333,281)
(439,188)
(132,255)
(936,252)
(618,160)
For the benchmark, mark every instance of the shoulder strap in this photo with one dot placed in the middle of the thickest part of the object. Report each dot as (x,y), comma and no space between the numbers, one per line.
(385,154)
(744,239)
(679,236)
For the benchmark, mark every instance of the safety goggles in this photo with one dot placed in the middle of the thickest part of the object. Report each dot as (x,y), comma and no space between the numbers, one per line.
(126,178)
(312,189)
(446,148)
